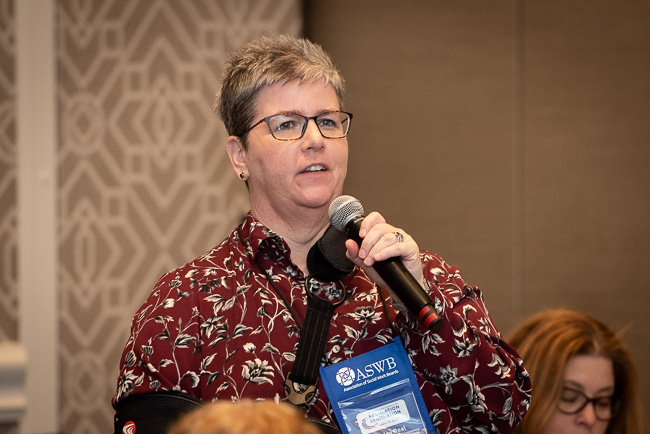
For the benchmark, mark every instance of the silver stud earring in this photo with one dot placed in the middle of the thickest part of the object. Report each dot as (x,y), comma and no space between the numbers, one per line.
(241,175)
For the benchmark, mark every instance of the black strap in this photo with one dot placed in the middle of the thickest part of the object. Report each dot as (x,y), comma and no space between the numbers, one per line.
(300,384)
(313,338)
(152,413)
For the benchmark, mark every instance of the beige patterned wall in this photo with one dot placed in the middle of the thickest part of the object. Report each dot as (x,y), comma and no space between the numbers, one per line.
(8,210)
(145,183)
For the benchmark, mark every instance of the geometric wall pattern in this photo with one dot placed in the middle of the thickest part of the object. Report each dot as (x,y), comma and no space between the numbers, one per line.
(8,176)
(144,180)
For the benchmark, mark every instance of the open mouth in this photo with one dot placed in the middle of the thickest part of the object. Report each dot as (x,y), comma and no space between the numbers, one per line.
(314,169)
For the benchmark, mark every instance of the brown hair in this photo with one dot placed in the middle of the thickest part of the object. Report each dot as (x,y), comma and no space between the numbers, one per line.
(266,61)
(548,340)
(244,417)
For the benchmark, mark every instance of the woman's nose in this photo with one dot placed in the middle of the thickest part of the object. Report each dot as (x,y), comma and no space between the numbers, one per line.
(587,416)
(313,137)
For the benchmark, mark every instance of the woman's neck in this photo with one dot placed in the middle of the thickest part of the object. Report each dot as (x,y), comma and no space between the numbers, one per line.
(299,230)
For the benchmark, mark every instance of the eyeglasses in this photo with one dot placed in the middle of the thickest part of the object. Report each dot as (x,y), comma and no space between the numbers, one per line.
(332,125)
(574,401)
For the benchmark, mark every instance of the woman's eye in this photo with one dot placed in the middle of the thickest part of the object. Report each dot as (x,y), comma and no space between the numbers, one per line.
(604,402)
(330,123)
(287,125)
(569,396)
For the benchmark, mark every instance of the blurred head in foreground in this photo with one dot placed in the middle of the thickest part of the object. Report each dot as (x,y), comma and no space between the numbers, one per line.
(244,417)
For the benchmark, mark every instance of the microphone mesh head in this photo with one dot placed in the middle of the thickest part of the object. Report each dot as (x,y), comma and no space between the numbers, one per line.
(343,209)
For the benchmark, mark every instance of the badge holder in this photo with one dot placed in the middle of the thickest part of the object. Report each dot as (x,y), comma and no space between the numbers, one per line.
(377,392)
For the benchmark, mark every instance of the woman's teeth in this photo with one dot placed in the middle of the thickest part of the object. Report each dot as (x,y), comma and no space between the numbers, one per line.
(317,168)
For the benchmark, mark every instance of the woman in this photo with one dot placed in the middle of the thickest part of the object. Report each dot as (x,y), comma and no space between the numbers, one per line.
(227,325)
(584,378)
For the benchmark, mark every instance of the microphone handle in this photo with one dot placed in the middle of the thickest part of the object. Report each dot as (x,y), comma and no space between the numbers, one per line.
(402,282)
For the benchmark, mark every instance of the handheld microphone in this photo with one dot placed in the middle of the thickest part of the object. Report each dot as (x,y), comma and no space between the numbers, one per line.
(346,214)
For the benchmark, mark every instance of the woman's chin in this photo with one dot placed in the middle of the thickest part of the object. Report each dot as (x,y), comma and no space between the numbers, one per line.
(319,199)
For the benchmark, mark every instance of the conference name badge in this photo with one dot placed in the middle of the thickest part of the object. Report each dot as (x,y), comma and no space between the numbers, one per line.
(377,392)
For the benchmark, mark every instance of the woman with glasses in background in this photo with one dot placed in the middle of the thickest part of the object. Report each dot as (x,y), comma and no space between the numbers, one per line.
(583,377)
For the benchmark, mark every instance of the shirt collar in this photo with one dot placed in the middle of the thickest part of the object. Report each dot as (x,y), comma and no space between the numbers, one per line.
(258,238)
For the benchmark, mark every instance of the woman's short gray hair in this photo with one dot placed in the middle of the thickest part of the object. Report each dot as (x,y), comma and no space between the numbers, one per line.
(266,61)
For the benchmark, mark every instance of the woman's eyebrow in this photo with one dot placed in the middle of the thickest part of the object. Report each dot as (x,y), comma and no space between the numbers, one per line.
(580,387)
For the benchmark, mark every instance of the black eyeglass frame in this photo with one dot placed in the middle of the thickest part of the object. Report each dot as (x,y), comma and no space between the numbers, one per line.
(593,402)
(304,126)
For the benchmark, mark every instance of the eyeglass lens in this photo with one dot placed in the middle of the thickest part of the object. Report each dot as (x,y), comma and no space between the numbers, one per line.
(574,401)
(332,125)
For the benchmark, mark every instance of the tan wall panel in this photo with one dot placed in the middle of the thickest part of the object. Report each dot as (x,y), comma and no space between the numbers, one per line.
(587,156)
(512,138)
(430,84)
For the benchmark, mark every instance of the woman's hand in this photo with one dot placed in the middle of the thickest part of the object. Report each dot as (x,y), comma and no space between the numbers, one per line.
(380,242)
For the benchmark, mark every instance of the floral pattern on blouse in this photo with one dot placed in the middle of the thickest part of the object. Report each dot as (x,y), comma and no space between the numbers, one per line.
(215,328)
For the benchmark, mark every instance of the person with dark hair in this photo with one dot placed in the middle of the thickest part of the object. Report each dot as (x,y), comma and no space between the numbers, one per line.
(584,378)
(228,325)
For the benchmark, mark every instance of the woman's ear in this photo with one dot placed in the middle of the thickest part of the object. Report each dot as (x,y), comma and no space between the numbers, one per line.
(237,155)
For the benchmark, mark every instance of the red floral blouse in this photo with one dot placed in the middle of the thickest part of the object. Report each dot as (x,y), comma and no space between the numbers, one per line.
(215,328)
